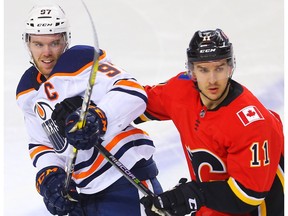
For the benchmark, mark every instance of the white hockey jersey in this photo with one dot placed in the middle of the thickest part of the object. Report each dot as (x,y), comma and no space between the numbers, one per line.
(115,91)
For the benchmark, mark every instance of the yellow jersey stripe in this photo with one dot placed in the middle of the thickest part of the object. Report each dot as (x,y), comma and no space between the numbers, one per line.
(242,195)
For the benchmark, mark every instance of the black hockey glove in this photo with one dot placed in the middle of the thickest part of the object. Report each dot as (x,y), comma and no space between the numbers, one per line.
(88,136)
(184,199)
(63,109)
(150,209)
(50,184)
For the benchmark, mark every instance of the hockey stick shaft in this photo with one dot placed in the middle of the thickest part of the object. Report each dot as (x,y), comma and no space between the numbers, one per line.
(81,123)
(128,175)
(85,103)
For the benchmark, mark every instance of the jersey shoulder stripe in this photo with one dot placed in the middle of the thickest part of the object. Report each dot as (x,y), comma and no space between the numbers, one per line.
(131,92)
(30,80)
(243,194)
(75,58)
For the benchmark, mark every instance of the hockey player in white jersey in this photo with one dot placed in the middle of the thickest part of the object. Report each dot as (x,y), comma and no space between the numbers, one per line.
(50,95)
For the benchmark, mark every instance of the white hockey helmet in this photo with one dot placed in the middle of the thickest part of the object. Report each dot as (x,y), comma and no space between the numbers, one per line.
(47,19)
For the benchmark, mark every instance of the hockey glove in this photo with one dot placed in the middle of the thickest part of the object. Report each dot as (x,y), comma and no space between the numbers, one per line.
(184,199)
(88,136)
(63,109)
(50,184)
(148,203)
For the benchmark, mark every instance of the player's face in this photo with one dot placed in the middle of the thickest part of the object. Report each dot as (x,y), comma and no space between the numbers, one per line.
(212,78)
(46,50)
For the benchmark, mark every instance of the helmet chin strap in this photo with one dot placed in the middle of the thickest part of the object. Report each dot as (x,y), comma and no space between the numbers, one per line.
(199,90)
(33,63)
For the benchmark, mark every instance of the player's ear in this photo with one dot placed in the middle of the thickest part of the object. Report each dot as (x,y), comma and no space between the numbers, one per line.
(230,72)
(194,75)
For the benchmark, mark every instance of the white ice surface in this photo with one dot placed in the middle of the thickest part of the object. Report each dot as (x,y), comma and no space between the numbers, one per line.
(149,39)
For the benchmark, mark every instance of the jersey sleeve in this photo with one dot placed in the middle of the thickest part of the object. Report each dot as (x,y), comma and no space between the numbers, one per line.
(119,95)
(160,97)
(157,103)
(124,101)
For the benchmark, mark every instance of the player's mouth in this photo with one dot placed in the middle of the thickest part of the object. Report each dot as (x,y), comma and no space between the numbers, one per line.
(47,61)
(213,90)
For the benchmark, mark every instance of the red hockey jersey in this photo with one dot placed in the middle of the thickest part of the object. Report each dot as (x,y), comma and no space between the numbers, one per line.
(234,151)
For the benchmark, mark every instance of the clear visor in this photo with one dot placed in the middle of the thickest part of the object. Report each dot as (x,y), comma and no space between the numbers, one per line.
(211,71)
(57,44)
(26,36)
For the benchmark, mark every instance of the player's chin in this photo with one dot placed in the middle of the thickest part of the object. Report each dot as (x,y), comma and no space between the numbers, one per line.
(45,70)
(213,96)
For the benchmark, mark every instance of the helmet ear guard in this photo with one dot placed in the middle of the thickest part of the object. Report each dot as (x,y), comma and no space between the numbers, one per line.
(209,45)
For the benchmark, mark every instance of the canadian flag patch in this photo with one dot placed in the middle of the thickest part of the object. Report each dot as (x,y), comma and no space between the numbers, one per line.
(249,114)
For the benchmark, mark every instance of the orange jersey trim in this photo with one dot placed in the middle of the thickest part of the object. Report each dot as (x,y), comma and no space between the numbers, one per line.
(102,56)
(39,149)
(24,92)
(130,84)
(74,73)
(109,146)
(81,69)
(39,77)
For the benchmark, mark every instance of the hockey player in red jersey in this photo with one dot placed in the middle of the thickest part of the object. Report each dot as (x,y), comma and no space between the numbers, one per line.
(232,143)
(50,92)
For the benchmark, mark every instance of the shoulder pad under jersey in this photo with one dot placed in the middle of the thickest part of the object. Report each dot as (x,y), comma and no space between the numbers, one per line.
(31,79)
(73,59)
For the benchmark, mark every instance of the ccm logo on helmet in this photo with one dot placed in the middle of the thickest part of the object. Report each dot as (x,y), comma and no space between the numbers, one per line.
(207,50)
(44,24)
